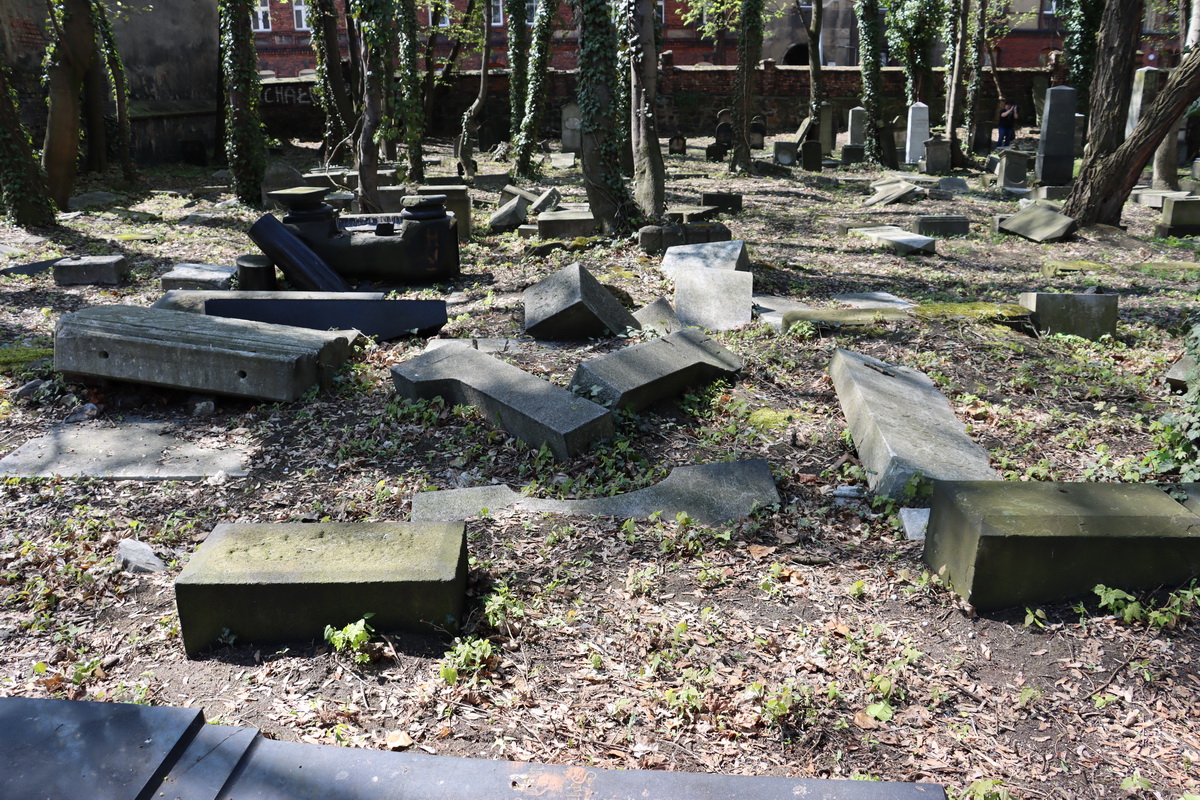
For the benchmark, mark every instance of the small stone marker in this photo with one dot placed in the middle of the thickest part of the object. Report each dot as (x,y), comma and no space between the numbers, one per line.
(787,153)
(714,299)
(757,133)
(199,276)
(189,351)
(546,201)
(688,214)
(527,407)
(1180,373)
(566,224)
(955,185)
(458,202)
(811,157)
(903,428)
(1001,543)
(639,375)
(858,125)
(1180,217)
(708,255)
(509,216)
(572,128)
(286,581)
(1012,168)
(943,225)
(138,556)
(192,300)
(256,273)
(730,202)
(711,494)
(562,160)
(658,317)
(1088,315)
(91,270)
(853,154)
(1039,224)
(131,450)
(900,241)
(1055,165)
(572,304)
(716,152)
(917,132)
(677,146)
(770,309)
(937,157)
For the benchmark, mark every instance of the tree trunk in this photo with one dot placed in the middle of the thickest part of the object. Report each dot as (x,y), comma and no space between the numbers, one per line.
(1116,42)
(332,89)
(72,54)
(1106,179)
(367,152)
(975,59)
(518,63)
(749,51)
(95,103)
(870,40)
(1166,157)
(607,196)
(535,101)
(116,72)
(22,185)
(410,78)
(649,175)
(954,83)
(470,120)
(244,143)
(816,83)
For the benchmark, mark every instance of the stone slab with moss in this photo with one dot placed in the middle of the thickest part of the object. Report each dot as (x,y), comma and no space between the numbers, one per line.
(281,582)
(837,317)
(1001,544)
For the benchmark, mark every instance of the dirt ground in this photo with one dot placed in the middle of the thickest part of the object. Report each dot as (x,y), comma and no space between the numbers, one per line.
(810,640)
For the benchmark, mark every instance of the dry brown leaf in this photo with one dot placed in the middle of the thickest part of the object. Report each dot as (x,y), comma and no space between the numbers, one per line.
(398,740)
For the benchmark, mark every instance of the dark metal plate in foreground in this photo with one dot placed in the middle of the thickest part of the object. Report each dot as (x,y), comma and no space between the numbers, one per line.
(383,319)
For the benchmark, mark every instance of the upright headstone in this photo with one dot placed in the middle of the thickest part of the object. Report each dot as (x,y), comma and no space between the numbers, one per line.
(1041,84)
(677,146)
(1056,146)
(1147,82)
(758,133)
(1013,168)
(723,134)
(917,132)
(937,159)
(827,133)
(858,125)
(810,156)
(572,128)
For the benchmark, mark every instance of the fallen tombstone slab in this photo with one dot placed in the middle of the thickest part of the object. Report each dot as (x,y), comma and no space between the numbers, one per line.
(488,345)
(872,300)
(1002,544)
(1052,267)
(639,375)
(658,317)
(711,494)
(190,351)
(914,521)
(730,202)
(303,267)
(770,309)
(707,255)
(35,268)
(89,199)
(943,225)
(1088,315)
(193,300)
(1039,224)
(1052,193)
(280,582)
(527,407)
(900,241)
(81,750)
(715,299)
(138,556)
(952,184)
(382,319)
(904,429)
(199,276)
(546,201)
(691,213)
(566,224)
(510,216)
(896,191)
(562,160)
(510,191)
(140,450)
(91,270)
(572,304)
(1180,373)
(1154,198)
(839,317)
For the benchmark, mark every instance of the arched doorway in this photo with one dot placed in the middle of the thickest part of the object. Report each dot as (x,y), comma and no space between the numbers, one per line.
(796,56)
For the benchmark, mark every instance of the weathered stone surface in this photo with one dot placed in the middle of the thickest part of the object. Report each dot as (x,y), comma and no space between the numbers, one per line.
(687,213)
(915,522)
(509,216)
(458,202)
(132,450)
(837,317)
(711,494)
(1001,544)
(566,224)
(198,276)
(853,154)
(382,319)
(572,304)
(1179,375)
(787,153)
(872,300)
(192,300)
(91,270)
(903,427)
(811,156)
(936,160)
(898,240)
(188,351)
(709,255)
(205,767)
(715,299)
(1055,165)
(730,202)
(952,184)
(858,125)
(286,581)
(1012,169)
(645,373)
(658,317)
(546,201)
(1180,217)
(527,407)
(1155,198)
(943,225)
(284,176)
(916,132)
(896,191)
(1039,224)
(1088,315)
(510,191)
(770,309)
(138,556)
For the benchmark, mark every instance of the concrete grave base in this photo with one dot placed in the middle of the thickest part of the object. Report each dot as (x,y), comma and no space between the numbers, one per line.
(709,255)
(286,581)
(91,270)
(198,276)
(1088,315)
(1002,544)
(192,300)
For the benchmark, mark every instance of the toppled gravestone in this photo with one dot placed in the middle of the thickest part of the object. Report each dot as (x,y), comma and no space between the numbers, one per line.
(658,317)
(903,427)
(281,582)
(709,255)
(1002,543)
(138,556)
(546,201)
(205,354)
(711,494)
(1039,224)
(566,224)
(193,300)
(90,270)
(510,216)
(655,239)
(892,190)
(715,299)
(1088,315)
(132,450)
(572,304)
(898,240)
(382,319)
(641,374)
(770,309)
(527,407)
(943,225)
(198,276)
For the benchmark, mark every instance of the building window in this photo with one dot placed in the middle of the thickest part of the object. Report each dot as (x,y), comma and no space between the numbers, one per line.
(1050,8)
(300,9)
(496,9)
(438,15)
(660,7)
(260,17)
(530,11)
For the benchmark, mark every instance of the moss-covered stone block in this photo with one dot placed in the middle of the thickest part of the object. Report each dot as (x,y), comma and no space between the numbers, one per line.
(1002,544)
(286,581)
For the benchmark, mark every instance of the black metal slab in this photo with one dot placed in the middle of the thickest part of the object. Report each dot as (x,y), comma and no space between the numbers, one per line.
(291,771)
(69,750)
(383,319)
(36,268)
(205,767)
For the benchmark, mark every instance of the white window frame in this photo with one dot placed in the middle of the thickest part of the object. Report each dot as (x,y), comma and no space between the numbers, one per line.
(439,14)
(660,8)
(530,11)
(496,9)
(300,15)
(1051,8)
(260,17)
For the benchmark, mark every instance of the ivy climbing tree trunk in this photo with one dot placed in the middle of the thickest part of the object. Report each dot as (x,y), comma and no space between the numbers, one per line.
(607,196)
(870,49)
(749,51)
(70,56)
(120,91)
(245,146)
(959,17)
(518,63)
(22,185)
(1116,43)
(411,105)
(332,92)
(1166,157)
(649,175)
(470,120)
(816,82)
(371,21)
(535,94)
(1081,21)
